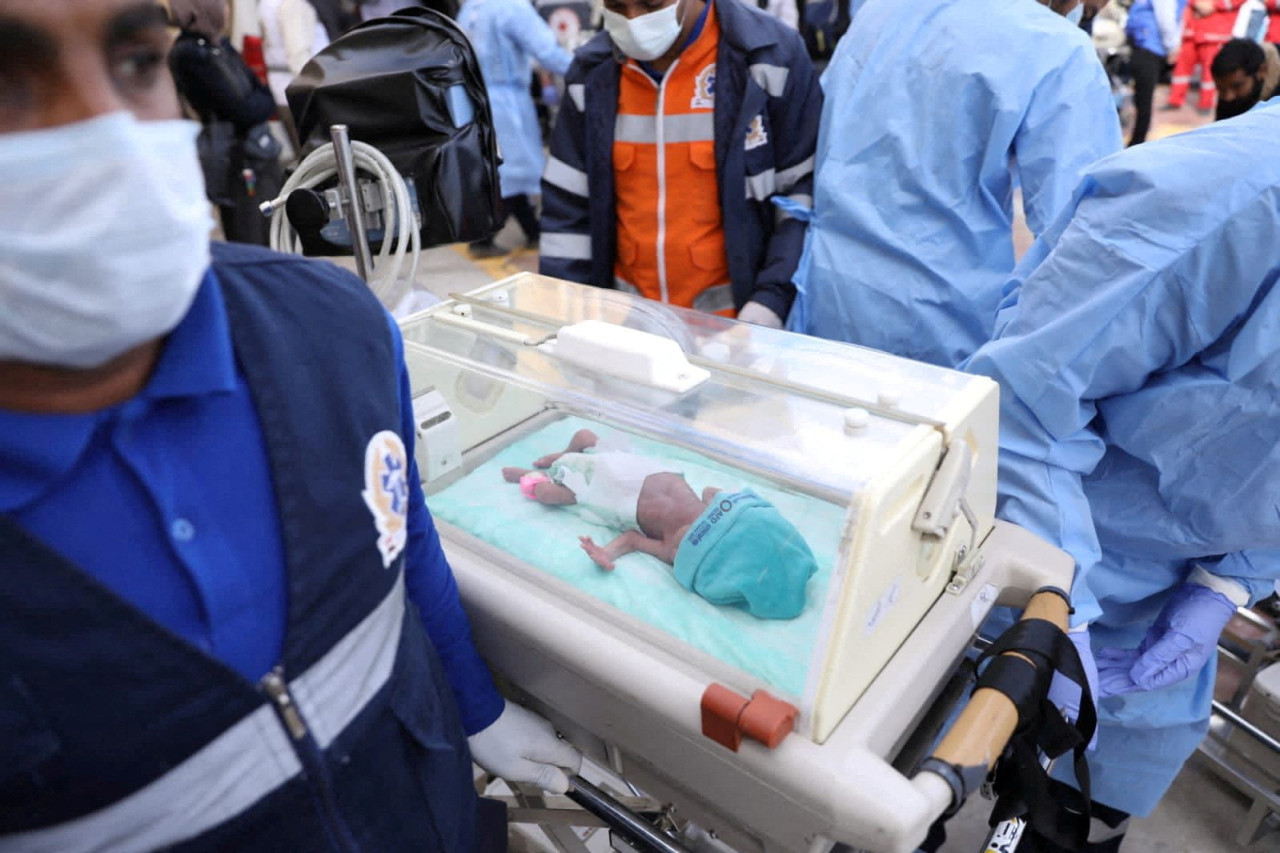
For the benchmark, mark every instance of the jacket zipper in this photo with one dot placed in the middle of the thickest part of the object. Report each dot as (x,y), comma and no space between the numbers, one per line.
(276,688)
(662,182)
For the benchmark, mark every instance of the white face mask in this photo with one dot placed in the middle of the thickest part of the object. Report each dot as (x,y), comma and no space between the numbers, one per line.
(1076,15)
(104,238)
(647,37)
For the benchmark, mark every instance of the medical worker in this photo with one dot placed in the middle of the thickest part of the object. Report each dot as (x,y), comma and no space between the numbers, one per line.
(682,154)
(508,36)
(1140,428)
(226,622)
(934,110)
(1154,28)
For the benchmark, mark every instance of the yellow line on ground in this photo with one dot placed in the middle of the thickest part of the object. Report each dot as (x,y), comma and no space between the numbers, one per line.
(504,266)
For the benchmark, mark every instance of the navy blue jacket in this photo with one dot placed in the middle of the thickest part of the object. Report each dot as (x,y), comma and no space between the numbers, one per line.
(762,69)
(116,734)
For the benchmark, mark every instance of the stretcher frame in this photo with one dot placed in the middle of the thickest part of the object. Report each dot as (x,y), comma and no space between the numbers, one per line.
(1227,763)
(634,705)
(569,666)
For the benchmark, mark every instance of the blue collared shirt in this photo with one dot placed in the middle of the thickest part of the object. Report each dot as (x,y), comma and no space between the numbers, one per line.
(167,500)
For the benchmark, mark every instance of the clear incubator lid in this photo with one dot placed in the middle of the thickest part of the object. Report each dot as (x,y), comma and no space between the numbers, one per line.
(510,372)
(822,415)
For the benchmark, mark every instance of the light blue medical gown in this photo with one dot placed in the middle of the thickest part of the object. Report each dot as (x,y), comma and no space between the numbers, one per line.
(1138,354)
(927,105)
(509,36)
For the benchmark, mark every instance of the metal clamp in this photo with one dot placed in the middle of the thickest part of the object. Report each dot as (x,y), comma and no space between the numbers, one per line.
(624,821)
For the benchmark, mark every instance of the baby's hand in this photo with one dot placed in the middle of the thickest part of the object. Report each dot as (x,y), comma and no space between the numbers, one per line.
(597,554)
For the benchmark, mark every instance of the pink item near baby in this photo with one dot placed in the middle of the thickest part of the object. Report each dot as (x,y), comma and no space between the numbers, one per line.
(530,481)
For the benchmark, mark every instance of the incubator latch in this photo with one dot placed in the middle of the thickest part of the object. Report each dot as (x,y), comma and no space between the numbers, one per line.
(728,716)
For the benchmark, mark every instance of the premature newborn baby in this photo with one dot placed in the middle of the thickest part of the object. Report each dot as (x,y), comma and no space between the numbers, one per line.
(730,548)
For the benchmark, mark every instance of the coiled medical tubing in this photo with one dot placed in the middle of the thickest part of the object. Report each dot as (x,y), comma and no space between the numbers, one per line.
(320,167)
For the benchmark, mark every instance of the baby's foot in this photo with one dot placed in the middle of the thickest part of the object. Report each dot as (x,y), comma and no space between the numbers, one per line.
(548,460)
(598,555)
(513,475)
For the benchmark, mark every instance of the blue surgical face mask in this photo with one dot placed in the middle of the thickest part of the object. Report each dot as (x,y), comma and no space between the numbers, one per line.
(1076,15)
(104,238)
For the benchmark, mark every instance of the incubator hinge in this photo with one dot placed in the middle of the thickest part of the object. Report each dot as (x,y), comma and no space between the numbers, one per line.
(963,572)
(943,503)
(944,499)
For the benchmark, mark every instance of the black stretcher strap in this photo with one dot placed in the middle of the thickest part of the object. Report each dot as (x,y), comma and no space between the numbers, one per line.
(1021,783)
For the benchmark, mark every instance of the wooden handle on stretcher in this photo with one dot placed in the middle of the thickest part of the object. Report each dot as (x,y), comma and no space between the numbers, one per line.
(980,734)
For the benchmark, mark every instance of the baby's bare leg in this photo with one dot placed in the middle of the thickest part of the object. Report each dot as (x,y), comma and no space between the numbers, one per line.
(554,494)
(582,439)
(546,492)
(632,540)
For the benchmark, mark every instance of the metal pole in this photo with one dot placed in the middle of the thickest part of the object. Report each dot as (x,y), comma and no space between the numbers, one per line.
(350,192)
(619,817)
(1247,727)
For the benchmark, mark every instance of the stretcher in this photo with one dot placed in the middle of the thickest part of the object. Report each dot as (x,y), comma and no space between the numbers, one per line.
(784,736)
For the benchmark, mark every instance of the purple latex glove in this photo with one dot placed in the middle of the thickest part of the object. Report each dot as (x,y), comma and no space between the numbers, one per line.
(550,95)
(1064,694)
(1176,647)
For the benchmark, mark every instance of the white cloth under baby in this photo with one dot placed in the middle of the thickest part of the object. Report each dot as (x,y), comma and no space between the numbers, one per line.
(607,483)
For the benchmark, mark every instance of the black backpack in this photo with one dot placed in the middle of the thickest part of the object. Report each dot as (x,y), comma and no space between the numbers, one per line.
(409,84)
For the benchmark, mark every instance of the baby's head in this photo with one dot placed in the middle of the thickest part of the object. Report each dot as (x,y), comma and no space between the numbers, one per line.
(741,551)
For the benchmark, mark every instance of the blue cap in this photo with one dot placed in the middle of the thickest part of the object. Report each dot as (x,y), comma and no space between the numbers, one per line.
(742,552)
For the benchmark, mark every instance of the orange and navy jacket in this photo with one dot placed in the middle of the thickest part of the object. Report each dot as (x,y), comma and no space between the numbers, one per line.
(671,244)
(765,119)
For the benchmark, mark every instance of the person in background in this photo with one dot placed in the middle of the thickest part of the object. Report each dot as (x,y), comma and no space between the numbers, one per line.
(291,34)
(933,109)
(1155,37)
(335,16)
(1207,26)
(226,621)
(1273,27)
(240,157)
(682,154)
(783,10)
(370,9)
(822,24)
(509,36)
(1140,431)
(1246,73)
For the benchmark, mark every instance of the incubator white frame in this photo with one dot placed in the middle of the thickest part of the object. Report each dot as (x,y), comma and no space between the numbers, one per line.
(634,705)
